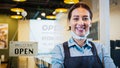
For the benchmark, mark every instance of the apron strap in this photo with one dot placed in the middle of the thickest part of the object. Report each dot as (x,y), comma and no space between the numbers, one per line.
(94,51)
(66,50)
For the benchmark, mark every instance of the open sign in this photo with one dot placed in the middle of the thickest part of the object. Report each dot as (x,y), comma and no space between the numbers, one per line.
(23,48)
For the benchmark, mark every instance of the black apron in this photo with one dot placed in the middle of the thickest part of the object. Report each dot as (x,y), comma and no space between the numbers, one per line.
(92,61)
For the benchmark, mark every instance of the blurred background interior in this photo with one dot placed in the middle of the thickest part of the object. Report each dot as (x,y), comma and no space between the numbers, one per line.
(15,12)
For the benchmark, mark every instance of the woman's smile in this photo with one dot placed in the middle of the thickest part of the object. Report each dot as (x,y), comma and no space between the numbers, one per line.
(80,29)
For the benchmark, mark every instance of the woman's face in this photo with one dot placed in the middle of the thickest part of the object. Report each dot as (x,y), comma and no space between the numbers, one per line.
(80,21)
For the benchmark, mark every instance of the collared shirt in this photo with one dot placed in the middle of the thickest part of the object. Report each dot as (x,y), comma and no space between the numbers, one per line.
(76,50)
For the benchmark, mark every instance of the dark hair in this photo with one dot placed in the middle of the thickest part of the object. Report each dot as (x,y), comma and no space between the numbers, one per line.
(77,5)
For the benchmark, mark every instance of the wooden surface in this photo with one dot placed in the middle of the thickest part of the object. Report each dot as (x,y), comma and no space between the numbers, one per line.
(3,65)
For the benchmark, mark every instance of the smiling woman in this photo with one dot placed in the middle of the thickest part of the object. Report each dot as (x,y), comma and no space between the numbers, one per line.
(78,50)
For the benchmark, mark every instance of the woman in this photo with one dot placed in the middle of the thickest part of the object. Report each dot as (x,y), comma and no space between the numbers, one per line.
(78,51)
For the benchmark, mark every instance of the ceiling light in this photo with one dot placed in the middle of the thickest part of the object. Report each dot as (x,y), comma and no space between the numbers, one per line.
(43,14)
(19,0)
(60,10)
(54,13)
(18,13)
(17,9)
(71,1)
(38,18)
(51,17)
(16,16)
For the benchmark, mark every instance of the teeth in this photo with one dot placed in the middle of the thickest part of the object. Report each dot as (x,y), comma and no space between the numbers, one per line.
(80,27)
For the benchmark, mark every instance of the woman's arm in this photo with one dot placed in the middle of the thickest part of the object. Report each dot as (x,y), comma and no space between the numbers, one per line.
(57,57)
(107,60)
